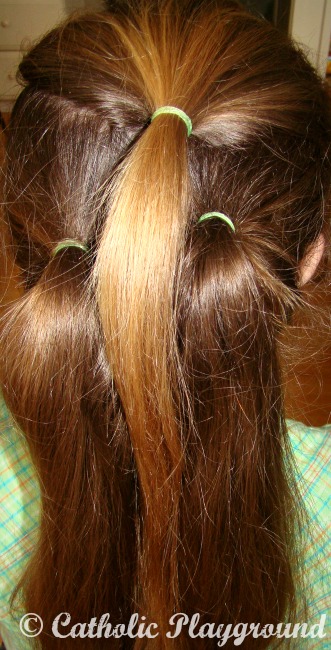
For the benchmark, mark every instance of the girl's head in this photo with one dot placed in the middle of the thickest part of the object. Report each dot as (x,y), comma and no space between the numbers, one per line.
(145,373)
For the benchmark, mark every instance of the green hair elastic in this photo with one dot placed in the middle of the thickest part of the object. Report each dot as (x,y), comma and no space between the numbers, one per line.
(68,243)
(173,110)
(218,215)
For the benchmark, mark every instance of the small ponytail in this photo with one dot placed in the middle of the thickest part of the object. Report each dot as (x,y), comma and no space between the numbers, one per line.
(79,468)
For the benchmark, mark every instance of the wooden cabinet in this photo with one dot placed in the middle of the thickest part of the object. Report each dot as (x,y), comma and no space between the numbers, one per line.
(21,23)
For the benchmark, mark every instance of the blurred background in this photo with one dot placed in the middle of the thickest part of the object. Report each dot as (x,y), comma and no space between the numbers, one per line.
(308,373)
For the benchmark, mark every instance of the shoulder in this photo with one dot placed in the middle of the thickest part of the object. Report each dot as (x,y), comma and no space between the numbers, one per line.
(311,447)
(19,506)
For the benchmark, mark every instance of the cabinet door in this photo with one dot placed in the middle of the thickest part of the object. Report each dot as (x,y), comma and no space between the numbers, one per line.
(9,61)
(20,23)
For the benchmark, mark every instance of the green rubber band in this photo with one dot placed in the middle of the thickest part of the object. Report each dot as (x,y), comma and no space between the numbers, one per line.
(219,215)
(173,110)
(69,243)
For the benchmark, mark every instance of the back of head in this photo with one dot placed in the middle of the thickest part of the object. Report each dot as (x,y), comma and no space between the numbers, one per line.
(145,374)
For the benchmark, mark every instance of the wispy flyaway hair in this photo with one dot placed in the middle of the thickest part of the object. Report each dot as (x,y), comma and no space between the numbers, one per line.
(145,373)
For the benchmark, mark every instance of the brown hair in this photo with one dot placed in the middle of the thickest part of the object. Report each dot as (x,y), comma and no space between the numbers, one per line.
(145,374)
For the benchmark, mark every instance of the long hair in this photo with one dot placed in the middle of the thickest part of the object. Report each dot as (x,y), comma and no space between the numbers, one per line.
(145,374)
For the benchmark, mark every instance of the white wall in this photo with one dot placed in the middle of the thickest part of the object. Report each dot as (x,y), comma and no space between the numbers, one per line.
(310,25)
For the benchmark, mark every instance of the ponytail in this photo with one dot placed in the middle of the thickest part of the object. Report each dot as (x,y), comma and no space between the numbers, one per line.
(135,273)
(80,469)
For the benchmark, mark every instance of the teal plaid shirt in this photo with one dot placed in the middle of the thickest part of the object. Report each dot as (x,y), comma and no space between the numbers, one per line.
(20,514)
